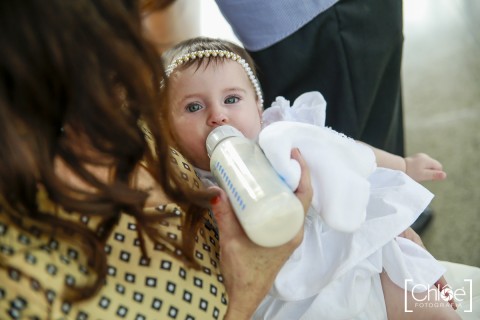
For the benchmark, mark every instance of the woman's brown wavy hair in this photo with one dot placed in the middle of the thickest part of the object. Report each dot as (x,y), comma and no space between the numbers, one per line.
(83,66)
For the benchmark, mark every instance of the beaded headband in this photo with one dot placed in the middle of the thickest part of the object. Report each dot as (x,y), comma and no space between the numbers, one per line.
(218,53)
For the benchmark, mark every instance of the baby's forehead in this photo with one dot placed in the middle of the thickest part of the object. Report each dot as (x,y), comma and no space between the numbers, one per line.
(228,69)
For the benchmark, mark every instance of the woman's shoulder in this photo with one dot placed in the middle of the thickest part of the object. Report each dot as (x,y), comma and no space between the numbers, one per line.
(160,286)
(35,268)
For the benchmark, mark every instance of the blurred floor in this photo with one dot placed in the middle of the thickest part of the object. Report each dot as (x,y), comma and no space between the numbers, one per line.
(441,74)
(441,77)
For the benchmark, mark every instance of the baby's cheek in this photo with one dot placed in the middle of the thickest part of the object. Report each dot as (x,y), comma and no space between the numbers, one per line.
(200,159)
(196,153)
(253,131)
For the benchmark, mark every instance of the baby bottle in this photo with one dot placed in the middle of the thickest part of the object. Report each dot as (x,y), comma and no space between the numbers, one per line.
(267,209)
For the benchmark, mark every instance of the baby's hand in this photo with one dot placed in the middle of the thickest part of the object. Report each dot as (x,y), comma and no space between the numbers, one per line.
(422,167)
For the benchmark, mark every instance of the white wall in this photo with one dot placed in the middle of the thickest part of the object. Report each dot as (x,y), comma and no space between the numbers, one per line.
(212,23)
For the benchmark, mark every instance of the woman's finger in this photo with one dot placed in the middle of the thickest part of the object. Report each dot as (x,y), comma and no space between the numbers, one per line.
(304,190)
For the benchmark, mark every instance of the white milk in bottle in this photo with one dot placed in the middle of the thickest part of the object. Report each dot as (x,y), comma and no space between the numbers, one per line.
(267,209)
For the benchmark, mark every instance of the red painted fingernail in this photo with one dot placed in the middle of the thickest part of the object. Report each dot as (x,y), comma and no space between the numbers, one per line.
(215,200)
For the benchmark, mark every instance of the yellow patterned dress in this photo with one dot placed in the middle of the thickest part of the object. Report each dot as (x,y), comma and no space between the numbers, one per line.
(35,267)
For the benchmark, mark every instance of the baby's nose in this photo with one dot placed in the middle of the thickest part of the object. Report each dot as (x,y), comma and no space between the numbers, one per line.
(217,118)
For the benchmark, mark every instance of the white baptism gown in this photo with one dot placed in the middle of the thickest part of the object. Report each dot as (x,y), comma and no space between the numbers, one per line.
(352,226)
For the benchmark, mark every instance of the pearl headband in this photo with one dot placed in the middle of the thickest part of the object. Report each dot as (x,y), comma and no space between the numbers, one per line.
(218,53)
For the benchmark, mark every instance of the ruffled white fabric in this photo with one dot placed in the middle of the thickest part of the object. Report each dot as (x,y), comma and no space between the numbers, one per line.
(310,108)
(339,166)
(335,274)
(339,169)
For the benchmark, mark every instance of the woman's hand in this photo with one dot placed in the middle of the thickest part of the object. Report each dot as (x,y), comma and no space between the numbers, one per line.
(304,190)
(248,269)
(422,167)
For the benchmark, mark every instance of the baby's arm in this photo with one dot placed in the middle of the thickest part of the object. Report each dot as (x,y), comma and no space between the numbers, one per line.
(420,167)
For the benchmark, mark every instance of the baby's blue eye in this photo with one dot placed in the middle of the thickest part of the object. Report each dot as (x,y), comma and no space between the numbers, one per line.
(194,107)
(231,100)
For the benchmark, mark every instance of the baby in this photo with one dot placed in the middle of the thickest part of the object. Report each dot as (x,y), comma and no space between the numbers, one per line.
(348,270)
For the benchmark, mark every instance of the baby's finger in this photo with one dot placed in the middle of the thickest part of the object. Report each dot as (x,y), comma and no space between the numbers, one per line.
(433,175)
(439,175)
(430,175)
(434,164)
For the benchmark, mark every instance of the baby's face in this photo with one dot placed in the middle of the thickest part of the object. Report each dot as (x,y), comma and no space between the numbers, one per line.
(204,99)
